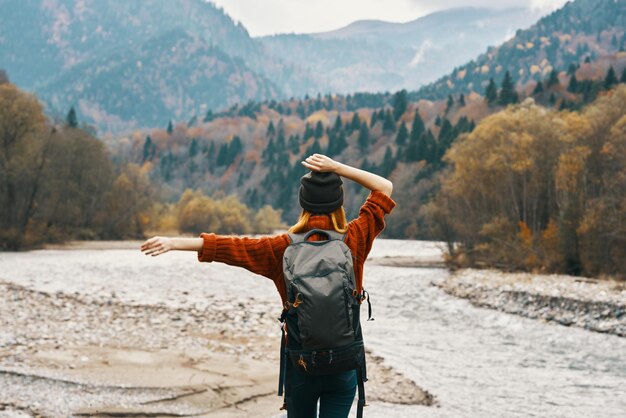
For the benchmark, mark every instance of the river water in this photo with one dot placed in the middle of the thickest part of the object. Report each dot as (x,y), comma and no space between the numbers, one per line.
(475,361)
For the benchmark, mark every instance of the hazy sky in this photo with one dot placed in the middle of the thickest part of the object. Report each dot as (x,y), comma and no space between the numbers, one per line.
(266,17)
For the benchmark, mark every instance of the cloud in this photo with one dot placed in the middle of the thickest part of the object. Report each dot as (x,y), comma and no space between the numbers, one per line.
(546,5)
(534,5)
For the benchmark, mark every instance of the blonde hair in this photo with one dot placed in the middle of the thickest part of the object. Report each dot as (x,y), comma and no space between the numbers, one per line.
(338,218)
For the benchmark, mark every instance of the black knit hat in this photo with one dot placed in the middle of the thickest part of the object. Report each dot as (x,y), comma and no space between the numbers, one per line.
(321,192)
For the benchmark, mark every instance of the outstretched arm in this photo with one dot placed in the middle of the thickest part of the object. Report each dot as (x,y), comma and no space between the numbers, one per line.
(374,182)
(159,245)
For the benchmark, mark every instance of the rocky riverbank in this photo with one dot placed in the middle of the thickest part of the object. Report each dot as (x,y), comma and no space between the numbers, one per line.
(593,304)
(79,355)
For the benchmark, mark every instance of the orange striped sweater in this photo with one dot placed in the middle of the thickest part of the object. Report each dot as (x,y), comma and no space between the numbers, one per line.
(264,255)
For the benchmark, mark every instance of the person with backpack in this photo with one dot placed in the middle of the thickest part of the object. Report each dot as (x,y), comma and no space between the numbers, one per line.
(317,268)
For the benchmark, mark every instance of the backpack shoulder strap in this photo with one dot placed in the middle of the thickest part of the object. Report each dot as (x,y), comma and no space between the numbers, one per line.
(332,235)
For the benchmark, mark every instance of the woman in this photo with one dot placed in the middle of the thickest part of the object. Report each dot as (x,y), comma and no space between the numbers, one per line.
(321,198)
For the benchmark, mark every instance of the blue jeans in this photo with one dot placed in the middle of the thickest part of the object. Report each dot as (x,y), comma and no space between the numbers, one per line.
(335,393)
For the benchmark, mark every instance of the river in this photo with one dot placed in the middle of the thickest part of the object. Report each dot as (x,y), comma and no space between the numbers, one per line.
(476,362)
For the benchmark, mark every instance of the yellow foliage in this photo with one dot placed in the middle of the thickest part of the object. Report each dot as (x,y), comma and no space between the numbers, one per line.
(570,169)
(533,187)
(525,234)
(268,220)
(319,116)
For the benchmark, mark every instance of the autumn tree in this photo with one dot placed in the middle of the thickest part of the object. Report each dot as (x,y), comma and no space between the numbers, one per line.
(522,194)
(23,139)
(128,202)
(267,220)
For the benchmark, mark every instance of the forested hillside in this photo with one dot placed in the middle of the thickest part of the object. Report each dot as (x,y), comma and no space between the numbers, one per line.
(172,75)
(581,31)
(255,150)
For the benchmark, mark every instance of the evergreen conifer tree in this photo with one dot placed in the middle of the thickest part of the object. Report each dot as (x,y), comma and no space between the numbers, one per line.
(508,94)
(491,93)
(222,155)
(170,127)
(193,148)
(449,103)
(389,163)
(294,144)
(538,88)
(338,125)
(308,132)
(389,124)
(611,79)
(319,130)
(462,100)
(417,128)
(402,135)
(399,104)
(147,148)
(72,120)
(364,137)
(571,70)
(572,86)
(553,79)
(342,143)
(208,117)
(356,122)
(211,153)
(271,130)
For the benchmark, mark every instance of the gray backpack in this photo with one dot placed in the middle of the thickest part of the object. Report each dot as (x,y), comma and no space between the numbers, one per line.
(321,314)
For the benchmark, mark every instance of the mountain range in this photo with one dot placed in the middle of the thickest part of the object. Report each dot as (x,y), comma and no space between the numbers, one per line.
(127,65)
(378,56)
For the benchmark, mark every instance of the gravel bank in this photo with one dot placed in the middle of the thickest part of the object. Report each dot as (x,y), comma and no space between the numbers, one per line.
(596,305)
(73,354)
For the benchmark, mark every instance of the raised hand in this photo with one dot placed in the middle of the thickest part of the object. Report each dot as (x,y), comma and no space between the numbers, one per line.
(321,163)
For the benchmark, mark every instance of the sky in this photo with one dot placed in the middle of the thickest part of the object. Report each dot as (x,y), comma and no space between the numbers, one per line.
(268,17)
